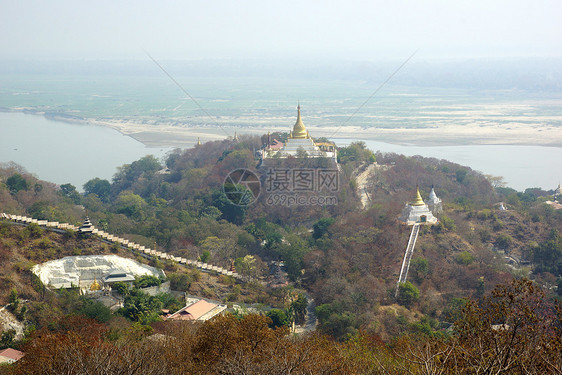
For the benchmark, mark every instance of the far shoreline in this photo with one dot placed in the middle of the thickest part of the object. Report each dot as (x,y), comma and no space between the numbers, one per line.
(154,133)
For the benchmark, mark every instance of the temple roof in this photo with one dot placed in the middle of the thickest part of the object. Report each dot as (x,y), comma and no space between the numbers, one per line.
(299,130)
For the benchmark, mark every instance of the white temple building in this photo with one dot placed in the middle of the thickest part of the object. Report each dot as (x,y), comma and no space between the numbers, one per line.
(434,203)
(300,144)
(417,212)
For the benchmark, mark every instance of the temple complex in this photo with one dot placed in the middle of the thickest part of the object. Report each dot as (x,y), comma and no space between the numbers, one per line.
(418,212)
(299,145)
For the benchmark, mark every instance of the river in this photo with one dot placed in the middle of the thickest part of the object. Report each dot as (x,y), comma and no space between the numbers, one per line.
(520,166)
(62,152)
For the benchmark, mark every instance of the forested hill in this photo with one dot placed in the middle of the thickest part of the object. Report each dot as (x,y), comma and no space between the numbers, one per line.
(346,257)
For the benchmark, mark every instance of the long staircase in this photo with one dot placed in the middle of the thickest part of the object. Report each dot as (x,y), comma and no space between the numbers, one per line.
(124,243)
(408,256)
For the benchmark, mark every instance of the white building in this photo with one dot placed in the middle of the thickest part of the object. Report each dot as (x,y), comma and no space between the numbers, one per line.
(417,212)
(434,203)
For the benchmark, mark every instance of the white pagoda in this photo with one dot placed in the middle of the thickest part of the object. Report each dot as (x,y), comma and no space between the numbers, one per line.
(417,212)
(434,203)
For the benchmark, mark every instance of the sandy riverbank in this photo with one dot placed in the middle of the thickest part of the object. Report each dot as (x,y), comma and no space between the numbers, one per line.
(169,135)
(157,132)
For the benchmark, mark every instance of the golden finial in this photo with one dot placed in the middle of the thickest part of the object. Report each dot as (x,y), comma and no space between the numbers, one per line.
(198,141)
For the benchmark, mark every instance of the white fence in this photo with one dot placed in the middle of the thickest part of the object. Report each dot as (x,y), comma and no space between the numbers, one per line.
(121,242)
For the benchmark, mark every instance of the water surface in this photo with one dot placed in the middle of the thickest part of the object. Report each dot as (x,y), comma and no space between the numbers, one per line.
(66,153)
(521,166)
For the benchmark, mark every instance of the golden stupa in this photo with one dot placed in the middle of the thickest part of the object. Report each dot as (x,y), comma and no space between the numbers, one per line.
(418,201)
(299,130)
(95,285)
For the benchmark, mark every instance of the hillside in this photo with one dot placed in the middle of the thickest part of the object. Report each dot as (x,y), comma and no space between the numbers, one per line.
(347,258)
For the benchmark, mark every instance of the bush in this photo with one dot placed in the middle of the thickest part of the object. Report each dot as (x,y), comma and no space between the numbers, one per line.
(503,241)
(97,311)
(407,294)
(465,258)
(147,281)
(120,287)
(448,223)
(180,281)
(278,318)
(420,268)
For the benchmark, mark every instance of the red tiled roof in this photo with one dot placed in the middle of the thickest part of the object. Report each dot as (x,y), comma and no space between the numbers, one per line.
(12,354)
(193,311)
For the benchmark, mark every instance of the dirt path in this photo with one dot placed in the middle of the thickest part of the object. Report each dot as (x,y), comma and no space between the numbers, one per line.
(311,321)
(362,182)
(9,321)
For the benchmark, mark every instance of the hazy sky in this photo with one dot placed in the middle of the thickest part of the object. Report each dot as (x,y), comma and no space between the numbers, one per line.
(352,30)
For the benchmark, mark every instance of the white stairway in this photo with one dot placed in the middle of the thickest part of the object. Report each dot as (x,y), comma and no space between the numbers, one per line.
(408,256)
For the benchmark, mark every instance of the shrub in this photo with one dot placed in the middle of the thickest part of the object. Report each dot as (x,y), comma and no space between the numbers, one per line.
(147,281)
(407,294)
(503,241)
(465,258)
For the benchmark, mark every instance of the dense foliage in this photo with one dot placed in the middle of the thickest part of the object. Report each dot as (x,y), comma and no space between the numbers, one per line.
(515,329)
(347,259)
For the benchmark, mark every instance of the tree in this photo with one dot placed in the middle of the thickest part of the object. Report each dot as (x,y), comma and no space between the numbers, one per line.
(503,241)
(548,255)
(514,330)
(7,338)
(321,227)
(99,187)
(13,300)
(16,183)
(132,205)
(141,307)
(246,265)
(37,188)
(278,318)
(69,190)
(299,307)
(407,294)
(96,310)
(146,281)
(419,269)
(128,174)
(120,287)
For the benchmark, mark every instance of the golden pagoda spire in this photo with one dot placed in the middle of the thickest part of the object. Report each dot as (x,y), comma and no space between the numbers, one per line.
(299,130)
(198,141)
(418,200)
